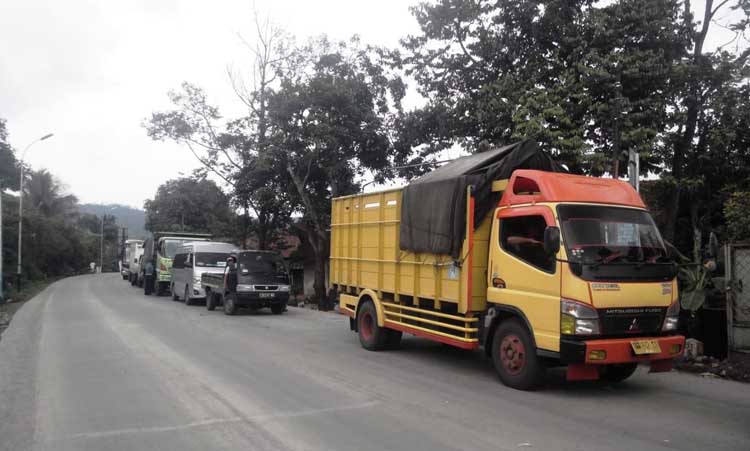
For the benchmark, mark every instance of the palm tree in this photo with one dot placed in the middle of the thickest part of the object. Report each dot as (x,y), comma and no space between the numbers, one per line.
(46,195)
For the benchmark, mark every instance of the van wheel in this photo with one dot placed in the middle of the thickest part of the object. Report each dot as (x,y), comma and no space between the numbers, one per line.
(514,356)
(230,305)
(371,336)
(618,372)
(210,300)
(175,296)
(277,309)
(188,301)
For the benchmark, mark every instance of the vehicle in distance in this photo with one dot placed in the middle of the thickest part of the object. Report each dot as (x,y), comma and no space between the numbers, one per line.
(262,281)
(134,251)
(191,261)
(488,269)
(127,258)
(160,250)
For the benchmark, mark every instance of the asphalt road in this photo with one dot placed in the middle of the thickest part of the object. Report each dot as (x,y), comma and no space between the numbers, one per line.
(93,364)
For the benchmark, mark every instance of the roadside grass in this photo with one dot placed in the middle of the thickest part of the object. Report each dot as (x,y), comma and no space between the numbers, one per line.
(14,300)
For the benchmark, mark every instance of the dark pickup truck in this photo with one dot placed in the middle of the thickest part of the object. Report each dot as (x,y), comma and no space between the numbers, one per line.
(262,281)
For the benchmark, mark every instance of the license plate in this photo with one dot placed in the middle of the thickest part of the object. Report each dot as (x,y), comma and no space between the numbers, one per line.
(267,295)
(646,347)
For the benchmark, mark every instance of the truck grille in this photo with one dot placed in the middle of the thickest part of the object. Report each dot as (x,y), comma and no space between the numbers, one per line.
(631,321)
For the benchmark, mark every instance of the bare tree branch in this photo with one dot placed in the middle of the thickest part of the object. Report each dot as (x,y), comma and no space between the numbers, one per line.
(209,166)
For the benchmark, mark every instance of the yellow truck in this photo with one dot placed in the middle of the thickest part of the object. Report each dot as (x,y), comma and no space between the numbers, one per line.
(503,250)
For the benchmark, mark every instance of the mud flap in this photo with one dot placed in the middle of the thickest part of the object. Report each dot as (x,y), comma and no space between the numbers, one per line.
(582,372)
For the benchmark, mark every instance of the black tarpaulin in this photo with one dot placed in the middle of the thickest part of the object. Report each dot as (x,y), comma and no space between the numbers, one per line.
(433,211)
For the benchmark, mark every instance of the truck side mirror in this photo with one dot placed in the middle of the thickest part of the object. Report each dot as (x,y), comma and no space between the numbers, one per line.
(551,240)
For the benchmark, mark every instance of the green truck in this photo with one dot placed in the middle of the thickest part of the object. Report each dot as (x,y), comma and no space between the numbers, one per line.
(159,251)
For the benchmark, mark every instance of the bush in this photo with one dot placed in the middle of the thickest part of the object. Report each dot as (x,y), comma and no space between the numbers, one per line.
(737,215)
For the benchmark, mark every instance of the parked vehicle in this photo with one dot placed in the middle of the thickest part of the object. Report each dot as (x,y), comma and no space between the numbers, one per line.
(160,250)
(262,281)
(127,258)
(134,251)
(190,262)
(470,255)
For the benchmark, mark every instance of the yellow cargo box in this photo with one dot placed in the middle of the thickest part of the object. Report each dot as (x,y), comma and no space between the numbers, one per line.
(419,289)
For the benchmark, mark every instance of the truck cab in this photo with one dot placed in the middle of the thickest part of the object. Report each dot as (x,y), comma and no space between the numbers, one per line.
(580,261)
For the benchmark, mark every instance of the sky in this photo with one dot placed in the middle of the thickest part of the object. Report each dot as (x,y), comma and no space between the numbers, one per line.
(90,71)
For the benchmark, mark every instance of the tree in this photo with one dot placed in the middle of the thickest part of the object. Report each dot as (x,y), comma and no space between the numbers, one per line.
(190,204)
(330,121)
(45,194)
(233,151)
(8,163)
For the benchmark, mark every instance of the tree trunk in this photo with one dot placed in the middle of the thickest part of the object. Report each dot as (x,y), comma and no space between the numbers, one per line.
(683,144)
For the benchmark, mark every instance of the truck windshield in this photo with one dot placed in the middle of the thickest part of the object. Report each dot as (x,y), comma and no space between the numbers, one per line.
(211,259)
(261,263)
(170,247)
(610,235)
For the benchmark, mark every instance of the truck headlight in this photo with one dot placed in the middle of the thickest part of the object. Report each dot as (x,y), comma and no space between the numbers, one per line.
(577,318)
(672,317)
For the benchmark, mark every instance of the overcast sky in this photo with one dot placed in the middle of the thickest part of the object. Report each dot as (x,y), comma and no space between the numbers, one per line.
(90,71)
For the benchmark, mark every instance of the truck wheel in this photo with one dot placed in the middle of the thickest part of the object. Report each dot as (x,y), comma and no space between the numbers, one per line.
(277,309)
(210,305)
(371,336)
(617,372)
(175,296)
(230,306)
(188,301)
(514,356)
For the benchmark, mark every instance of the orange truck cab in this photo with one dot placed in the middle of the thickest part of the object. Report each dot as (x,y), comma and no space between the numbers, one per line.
(561,270)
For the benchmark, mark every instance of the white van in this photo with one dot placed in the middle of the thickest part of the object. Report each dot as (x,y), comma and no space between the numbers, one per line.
(134,257)
(191,261)
(133,250)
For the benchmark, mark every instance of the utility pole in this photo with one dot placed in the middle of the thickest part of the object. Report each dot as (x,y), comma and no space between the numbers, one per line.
(2,280)
(101,247)
(20,209)
(634,168)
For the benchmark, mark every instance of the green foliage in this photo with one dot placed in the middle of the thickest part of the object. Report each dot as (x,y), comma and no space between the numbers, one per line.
(191,205)
(736,212)
(8,163)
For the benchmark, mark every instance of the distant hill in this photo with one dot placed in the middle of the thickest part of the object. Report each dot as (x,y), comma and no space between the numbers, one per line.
(132,218)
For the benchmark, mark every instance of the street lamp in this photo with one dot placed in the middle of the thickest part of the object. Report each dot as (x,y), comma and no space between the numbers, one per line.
(20,208)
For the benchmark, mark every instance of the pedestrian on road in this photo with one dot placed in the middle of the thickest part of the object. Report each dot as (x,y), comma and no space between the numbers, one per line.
(230,275)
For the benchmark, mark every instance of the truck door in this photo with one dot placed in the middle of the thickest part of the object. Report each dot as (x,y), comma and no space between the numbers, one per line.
(522,275)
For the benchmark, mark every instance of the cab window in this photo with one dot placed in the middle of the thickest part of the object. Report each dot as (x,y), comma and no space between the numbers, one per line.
(179,261)
(523,237)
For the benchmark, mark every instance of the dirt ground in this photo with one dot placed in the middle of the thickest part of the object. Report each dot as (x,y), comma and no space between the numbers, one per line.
(735,367)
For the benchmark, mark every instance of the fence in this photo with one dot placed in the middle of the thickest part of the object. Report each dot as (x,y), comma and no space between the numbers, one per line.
(738,298)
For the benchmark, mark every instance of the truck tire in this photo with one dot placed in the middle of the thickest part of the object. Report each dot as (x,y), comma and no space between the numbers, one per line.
(514,356)
(210,300)
(617,372)
(371,336)
(175,296)
(277,309)
(188,301)
(230,306)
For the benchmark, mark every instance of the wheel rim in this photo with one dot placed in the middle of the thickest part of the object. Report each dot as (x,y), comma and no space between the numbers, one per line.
(367,325)
(512,354)
(229,304)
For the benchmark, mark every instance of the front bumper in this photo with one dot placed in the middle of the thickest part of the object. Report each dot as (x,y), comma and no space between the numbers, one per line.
(619,350)
(260,299)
